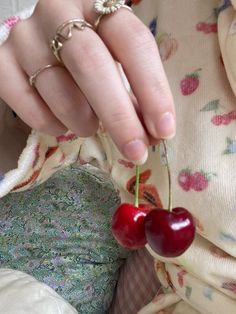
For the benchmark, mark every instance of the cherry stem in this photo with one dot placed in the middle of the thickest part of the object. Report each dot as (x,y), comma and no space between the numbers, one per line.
(169,176)
(136,202)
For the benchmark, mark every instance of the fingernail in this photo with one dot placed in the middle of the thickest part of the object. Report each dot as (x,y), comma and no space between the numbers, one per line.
(136,151)
(166,126)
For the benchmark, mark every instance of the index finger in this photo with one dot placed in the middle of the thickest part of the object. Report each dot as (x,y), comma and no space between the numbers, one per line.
(133,45)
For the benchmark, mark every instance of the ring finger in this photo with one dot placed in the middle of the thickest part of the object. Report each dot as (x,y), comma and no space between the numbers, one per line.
(28,105)
(55,85)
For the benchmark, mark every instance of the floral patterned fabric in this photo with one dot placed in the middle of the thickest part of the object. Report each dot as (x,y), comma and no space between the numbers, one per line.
(58,233)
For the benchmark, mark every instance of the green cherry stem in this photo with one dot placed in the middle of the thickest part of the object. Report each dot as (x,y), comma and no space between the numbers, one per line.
(169,176)
(137,171)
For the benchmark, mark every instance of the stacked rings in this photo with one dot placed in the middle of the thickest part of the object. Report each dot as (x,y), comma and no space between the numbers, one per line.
(65,31)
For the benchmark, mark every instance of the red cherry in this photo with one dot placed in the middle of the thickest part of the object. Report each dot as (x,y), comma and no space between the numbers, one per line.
(200,26)
(128,225)
(169,233)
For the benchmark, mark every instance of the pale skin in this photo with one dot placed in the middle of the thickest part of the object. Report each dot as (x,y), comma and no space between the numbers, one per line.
(89,87)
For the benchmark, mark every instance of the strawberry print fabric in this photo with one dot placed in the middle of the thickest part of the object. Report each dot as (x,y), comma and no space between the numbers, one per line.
(197,46)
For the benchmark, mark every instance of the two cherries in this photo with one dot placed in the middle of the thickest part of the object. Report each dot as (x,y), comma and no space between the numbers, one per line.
(168,232)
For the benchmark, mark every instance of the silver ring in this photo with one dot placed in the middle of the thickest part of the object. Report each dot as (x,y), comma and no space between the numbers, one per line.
(105,7)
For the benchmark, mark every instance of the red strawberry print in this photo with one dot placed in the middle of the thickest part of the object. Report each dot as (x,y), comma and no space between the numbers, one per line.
(126,163)
(184,179)
(225,119)
(199,181)
(232,115)
(214,28)
(200,26)
(11,21)
(217,119)
(67,137)
(190,83)
(206,27)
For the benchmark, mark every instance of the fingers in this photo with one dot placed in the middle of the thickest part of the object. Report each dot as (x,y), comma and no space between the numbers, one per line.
(16,91)
(95,72)
(67,102)
(133,45)
(55,85)
(108,97)
(90,85)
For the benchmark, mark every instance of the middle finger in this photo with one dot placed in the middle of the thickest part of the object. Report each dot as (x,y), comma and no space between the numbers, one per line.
(133,45)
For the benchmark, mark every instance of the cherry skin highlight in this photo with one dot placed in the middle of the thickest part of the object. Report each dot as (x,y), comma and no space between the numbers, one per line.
(128,225)
(169,233)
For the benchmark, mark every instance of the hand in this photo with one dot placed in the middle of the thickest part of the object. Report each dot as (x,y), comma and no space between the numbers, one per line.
(89,86)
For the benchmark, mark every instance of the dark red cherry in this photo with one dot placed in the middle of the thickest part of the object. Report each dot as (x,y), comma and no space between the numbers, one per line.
(128,225)
(169,233)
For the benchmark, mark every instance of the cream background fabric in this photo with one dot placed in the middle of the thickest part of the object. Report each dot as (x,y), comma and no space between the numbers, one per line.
(204,277)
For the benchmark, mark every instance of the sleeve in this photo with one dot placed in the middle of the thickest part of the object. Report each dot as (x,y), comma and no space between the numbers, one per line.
(227,38)
(33,296)
(8,23)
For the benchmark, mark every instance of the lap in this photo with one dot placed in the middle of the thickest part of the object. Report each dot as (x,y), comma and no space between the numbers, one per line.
(59,232)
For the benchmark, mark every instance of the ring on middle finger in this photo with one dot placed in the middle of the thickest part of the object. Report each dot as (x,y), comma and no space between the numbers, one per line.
(64,33)
(104,7)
